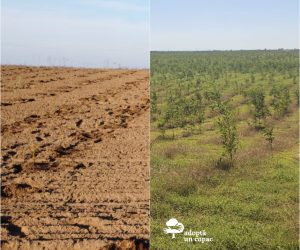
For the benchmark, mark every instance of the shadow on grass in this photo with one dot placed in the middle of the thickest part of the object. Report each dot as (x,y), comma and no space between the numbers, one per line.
(224,164)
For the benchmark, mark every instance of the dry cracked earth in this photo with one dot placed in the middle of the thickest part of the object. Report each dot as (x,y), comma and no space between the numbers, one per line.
(75,158)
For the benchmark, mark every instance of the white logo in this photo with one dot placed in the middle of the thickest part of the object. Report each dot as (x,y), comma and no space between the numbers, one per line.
(189,236)
(173,227)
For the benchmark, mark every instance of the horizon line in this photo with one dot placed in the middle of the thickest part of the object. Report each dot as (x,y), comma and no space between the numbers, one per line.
(225,50)
(75,67)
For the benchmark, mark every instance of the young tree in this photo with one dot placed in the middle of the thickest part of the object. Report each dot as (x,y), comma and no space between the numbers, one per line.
(214,96)
(281,99)
(269,136)
(228,131)
(154,108)
(261,111)
(199,109)
(154,102)
(172,115)
(162,127)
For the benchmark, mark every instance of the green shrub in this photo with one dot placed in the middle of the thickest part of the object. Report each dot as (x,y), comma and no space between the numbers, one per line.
(281,99)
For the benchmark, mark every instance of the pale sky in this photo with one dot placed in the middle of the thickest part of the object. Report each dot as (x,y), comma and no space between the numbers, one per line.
(224,24)
(89,33)
(113,33)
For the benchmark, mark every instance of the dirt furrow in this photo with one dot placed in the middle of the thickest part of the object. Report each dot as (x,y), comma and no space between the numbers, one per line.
(75,165)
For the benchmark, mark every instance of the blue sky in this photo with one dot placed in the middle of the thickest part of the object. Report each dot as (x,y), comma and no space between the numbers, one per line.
(89,33)
(223,24)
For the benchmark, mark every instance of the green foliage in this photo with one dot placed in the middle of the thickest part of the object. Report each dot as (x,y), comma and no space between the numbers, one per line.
(269,136)
(228,131)
(281,99)
(183,112)
(261,111)
(154,103)
(162,127)
(257,198)
(214,96)
(212,65)
(199,108)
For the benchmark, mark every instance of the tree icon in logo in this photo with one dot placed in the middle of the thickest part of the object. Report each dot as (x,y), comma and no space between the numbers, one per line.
(173,227)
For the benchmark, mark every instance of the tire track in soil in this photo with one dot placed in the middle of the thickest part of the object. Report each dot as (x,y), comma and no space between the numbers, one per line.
(75,171)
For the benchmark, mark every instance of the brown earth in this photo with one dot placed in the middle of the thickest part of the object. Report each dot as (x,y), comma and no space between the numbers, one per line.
(75,158)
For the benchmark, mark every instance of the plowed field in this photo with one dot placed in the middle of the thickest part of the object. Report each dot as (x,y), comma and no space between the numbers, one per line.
(75,158)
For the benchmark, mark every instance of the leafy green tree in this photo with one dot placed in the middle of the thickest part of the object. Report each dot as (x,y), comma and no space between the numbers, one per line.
(281,99)
(269,136)
(172,115)
(199,109)
(228,131)
(162,127)
(154,108)
(261,111)
(214,96)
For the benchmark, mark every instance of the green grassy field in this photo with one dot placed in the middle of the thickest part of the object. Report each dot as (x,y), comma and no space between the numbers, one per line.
(251,200)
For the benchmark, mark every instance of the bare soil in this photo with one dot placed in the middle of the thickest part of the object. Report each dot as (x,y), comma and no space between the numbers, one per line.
(75,158)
